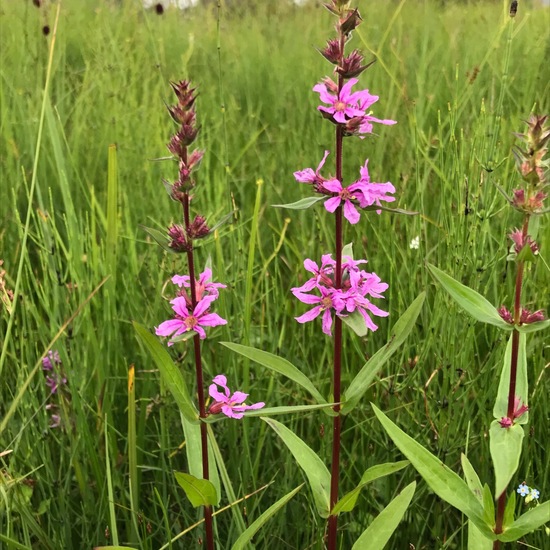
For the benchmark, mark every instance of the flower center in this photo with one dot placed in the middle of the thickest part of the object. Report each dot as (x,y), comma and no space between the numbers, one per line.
(326,302)
(190,322)
(340,106)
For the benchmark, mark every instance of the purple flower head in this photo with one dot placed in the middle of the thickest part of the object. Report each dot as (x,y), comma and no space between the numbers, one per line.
(330,299)
(345,194)
(54,381)
(370,193)
(357,284)
(185,321)
(231,405)
(343,105)
(313,177)
(51,360)
(202,287)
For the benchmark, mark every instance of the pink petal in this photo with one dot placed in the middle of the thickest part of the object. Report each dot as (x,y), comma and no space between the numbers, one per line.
(180,306)
(327,322)
(322,163)
(350,212)
(181,280)
(238,397)
(212,320)
(228,411)
(305,176)
(333,185)
(167,328)
(309,315)
(332,204)
(324,94)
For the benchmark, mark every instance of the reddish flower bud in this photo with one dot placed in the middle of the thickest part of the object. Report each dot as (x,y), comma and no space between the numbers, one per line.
(505,314)
(526,317)
(520,242)
(332,51)
(351,65)
(216,408)
(350,22)
(178,240)
(184,93)
(198,228)
(505,422)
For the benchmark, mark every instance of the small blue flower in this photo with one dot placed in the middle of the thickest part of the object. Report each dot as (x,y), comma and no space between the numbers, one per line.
(523,490)
(534,494)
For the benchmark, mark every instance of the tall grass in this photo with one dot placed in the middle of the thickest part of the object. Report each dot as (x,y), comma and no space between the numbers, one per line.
(440,72)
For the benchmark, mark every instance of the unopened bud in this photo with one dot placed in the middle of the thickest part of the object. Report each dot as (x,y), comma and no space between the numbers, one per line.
(178,240)
(332,51)
(351,21)
(198,228)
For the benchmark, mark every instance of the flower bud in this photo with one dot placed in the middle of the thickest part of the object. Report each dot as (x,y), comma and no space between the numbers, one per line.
(350,22)
(332,51)
(178,240)
(198,228)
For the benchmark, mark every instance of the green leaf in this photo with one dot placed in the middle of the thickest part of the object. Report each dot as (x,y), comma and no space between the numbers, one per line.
(472,479)
(399,333)
(505,447)
(476,541)
(347,251)
(302,204)
(272,411)
(378,533)
(246,537)
(348,501)
(277,364)
(160,237)
(193,451)
(170,373)
(200,492)
(527,523)
(469,300)
(510,510)
(314,468)
(488,506)
(522,388)
(356,323)
(533,327)
(442,480)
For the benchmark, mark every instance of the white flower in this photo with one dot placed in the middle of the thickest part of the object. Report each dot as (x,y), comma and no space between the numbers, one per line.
(415,243)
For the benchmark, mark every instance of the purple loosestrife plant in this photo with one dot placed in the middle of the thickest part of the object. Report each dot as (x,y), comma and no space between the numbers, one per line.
(490,527)
(340,291)
(193,305)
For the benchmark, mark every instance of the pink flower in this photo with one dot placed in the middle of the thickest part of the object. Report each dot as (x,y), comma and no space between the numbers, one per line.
(51,360)
(202,286)
(370,193)
(230,405)
(345,105)
(345,194)
(329,300)
(185,321)
(309,176)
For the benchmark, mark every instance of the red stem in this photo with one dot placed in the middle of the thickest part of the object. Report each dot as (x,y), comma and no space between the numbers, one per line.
(209,540)
(501,504)
(337,368)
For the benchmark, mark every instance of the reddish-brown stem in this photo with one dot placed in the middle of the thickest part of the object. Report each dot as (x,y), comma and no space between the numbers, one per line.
(501,504)
(337,365)
(209,539)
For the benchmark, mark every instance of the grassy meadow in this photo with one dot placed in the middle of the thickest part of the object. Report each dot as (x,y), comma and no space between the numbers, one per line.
(459,77)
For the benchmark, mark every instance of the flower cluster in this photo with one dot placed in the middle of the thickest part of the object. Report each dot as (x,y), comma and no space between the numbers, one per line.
(520,409)
(232,405)
(362,193)
(348,108)
(357,284)
(529,493)
(186,317)
(532,165)
(55,379)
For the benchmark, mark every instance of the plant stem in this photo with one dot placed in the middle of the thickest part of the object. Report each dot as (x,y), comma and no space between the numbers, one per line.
(337,365)
(501,504)
(209,541)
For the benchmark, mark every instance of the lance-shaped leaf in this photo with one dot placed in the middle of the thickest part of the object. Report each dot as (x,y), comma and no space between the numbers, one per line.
(348,501)
(272,411)
(316,472)
(193,451)
(356,322)
(169,371)
(469,300)
(378,533)
(441,479)
(277,364)
(527,523)
(200,492)
(302,204)
(522,388)
(246,537)
(160,237)
(399,333)
(476,540)
(505,447)
(533,327)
